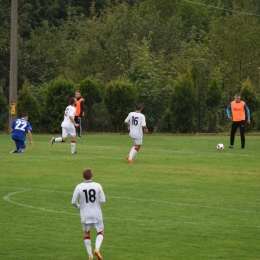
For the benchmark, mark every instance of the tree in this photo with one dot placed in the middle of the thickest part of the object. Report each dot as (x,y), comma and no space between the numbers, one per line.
(27,103)
(183,105)
(120,99)
(3,111)
(248,95)
(56,99)
(153,84)
(213,101)
(91,92)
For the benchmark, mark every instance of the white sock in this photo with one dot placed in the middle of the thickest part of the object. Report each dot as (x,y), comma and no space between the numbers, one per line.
(99,240)
(132,154)
(73,147)
(87,242)
(58,139)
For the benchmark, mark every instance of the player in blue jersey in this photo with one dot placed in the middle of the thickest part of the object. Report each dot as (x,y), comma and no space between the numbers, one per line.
(19,128)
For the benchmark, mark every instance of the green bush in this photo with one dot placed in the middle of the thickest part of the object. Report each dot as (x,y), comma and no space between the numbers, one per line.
(183,105)
(27,103)
(3,112)
(213,101)
(56,99)
(120,99)
(91,91)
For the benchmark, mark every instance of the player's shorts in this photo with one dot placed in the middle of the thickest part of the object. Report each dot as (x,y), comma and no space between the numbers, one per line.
(71,131)
(19,143)
(138,141)
(99,226)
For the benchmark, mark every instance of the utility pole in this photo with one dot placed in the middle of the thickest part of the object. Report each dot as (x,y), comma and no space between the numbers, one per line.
(13,63)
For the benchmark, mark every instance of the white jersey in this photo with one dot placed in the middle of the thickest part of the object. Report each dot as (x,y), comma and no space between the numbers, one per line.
(137,121)
(69,111)
(87,197)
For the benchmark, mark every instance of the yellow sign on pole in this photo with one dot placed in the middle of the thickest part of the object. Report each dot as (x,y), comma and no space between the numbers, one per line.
(13,108)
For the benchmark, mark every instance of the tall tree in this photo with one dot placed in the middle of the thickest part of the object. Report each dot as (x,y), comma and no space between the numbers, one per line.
(213,101)
(183,105)
(91,92)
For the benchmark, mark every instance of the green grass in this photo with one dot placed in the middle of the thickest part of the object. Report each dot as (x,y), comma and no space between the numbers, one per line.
(180,199)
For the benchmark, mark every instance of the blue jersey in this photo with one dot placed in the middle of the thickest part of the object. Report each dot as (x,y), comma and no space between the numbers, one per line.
(20,127)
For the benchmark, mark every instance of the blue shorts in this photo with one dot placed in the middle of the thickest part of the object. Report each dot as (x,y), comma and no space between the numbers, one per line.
(19,143)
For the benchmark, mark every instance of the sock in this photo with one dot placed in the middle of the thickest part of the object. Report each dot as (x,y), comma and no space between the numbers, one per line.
(58,139)
(19,151)
(133,152)
(87,242)
(73,146)
(99,240)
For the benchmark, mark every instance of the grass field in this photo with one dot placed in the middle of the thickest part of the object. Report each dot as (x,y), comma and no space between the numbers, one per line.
(180,199)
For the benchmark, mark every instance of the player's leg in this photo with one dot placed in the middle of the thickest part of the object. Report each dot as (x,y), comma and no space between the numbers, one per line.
(80,127)
(17,147)
(242,133)
(87,240)
(99,239)
(60,139)
(232,134)
(77,121)
(20,146)
(72,133)
(135,149)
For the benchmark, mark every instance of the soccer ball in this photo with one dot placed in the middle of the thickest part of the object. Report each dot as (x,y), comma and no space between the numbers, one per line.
(220,146)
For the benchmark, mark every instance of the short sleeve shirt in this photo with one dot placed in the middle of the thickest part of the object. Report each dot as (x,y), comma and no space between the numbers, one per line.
(137,121)
(20,127)
(69,111)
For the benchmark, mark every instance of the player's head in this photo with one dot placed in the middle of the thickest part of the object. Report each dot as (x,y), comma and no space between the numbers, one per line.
(138,107)
(77,94)
(87,174)
(72,101)
(237,97)
(25,116)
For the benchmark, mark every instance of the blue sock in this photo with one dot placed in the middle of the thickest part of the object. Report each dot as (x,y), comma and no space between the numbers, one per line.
(20,151)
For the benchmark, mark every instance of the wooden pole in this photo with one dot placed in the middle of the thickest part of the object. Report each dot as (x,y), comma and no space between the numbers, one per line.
(13,63)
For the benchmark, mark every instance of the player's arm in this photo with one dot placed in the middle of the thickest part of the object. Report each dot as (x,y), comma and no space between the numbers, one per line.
(30,136)
(145,129)
(247,113)
(102,198)
(73,121)
(75,199)
(228,110)
(127,122)
(82,107)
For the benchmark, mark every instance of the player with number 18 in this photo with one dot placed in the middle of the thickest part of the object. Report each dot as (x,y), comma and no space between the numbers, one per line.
(87,198)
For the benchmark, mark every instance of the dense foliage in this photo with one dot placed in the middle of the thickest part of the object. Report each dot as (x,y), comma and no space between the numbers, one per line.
(120,99)
(149,43)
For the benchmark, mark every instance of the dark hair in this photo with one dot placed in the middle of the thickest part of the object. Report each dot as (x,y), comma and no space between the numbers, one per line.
(25,114)
(72,101)
(78,91)
(87,174)
(237,95)
(138,106)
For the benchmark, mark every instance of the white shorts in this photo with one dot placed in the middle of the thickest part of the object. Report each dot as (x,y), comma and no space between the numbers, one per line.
(99,226)
(137,141)
(71,131)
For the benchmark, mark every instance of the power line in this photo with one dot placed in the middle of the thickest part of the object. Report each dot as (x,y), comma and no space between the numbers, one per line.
(215,7)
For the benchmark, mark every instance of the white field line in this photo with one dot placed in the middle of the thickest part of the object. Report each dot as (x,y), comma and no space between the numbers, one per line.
(22,190)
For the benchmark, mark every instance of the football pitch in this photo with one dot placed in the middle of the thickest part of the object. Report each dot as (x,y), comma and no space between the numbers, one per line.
(180,199)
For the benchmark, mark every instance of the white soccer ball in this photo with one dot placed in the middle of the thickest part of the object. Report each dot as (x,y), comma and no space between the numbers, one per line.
(220,146)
